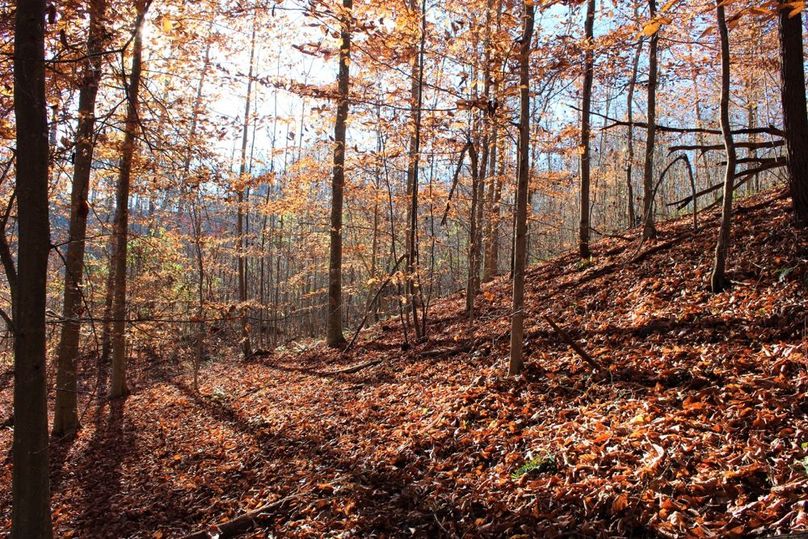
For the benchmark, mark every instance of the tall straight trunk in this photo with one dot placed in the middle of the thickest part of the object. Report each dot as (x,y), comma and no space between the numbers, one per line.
(795,122)
(334,336)
(196,213)
(417,76)
(121,224)
(492,250)
(246,348)
(632,217)
(490,235)
(718,280)
(471,281)
(586,103)
(65,418)
(520,243)
(30,511)
(649,230)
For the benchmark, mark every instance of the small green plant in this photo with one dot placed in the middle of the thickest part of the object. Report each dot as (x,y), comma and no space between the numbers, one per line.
(584,263)
(542,463)
(219,394)
(783,273)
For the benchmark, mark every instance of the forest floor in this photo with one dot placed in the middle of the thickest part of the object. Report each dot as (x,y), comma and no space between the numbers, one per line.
(699,428)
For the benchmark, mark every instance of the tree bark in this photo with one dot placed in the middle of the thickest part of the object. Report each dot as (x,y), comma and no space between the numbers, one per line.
(520,243)
(586,103)
(413,288)
(795,120)
(334,335)
(632,217)
(246,347)
(649,230)
(474,236)
(30,512)
(121,224)
(65,419)
(718,280)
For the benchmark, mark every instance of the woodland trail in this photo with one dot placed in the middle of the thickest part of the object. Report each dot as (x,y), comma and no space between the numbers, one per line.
(700,426)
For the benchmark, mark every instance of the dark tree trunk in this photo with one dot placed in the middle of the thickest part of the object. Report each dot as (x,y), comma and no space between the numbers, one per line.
(413,281)
(649,230)
(718,280)
(474,237)
(632,218)
(795,120)
(520,243)
(65,419)
(586,103)
(30,512)
(121,225)
(334,335)
(246,347)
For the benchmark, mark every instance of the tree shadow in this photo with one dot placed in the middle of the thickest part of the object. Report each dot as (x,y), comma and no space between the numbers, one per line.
(100,465)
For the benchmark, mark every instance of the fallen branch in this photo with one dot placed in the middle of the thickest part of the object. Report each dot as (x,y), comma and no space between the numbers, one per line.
(370,305)
(769,130)
(354,368)
(440,352)
(240,524)
(709,147)
(744,176)
(454,181)
(575,346)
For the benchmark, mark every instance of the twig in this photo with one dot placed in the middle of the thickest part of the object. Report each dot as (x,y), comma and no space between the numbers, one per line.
(575,346)
(240,524)
(370,305)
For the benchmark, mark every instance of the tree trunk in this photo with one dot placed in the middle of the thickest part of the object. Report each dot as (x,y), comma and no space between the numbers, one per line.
(520,243)
(334,335)
(632,217)
(121,224)
(471,281)
(413,288)
(30,512)
(649,230)
(586,103)
(65,418)
(246,348)
(795,121)
(718,280)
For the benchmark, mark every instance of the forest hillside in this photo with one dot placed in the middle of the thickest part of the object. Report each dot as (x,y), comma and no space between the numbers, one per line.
(696,424)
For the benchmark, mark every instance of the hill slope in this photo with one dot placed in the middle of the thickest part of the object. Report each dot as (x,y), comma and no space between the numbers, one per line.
(699,428)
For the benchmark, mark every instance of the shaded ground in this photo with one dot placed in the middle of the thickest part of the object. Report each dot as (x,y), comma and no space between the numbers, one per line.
(700,429)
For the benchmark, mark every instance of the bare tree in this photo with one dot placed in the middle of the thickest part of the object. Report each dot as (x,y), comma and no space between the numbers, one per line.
(65,418)
(121,223)
(246,348)
(586,103)
(520,243)
(648,229)
(718,280)
(334,336)
(30,512)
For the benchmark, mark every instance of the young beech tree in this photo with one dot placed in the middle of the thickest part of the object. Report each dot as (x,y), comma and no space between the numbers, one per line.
(520,243)
(65,418)
(121,223)
(586,103)
(30,512)
(718,280)
(334,334)
(648,229)
(246,347)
